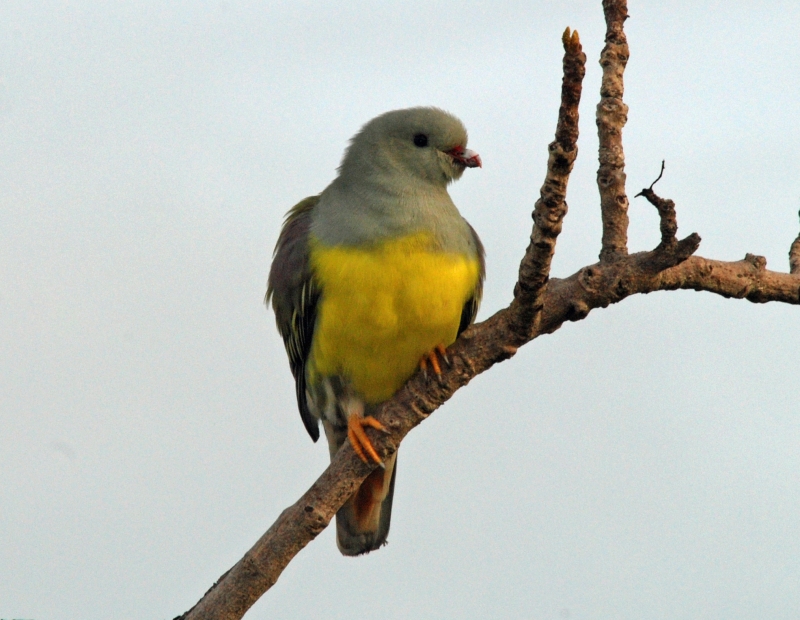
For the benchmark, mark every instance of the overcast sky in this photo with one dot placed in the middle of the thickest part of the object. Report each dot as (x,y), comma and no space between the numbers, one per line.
(643,463)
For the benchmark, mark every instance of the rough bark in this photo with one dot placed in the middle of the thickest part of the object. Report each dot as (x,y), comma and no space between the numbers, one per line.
(794,256)
(612,114)
(550,209)
(540,306)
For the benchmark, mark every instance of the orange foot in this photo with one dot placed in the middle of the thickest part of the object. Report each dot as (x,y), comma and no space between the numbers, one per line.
(358,437)
(432,358)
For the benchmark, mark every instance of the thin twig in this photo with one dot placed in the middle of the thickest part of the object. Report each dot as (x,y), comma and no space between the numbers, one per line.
(666,213)
(658,178)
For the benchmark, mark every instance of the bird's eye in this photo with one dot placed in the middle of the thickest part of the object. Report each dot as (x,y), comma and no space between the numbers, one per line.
(421,140)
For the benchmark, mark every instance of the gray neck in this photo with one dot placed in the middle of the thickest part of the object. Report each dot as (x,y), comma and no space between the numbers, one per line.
(383,207)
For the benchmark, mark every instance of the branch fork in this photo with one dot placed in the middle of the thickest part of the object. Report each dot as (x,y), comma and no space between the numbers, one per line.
(541,305)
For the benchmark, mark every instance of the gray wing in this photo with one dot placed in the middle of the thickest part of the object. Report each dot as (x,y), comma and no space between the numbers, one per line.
(294,298)
(470,310)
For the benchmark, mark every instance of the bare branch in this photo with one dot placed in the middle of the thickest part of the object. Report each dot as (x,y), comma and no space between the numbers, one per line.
(658,178)
(240,587)
(612,114)
(605,283)
(540,306)
(666,211)
(794,256)
(550,209)
(669,247)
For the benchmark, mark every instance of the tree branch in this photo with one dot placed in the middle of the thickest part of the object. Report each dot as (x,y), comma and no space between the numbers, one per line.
(603,284)
(612,114)
(550,209)
(540,306)
(670,251)
(794,256)
(666,211)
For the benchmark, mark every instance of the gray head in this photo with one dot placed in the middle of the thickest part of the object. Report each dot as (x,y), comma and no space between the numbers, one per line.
(393,181)
(425,144)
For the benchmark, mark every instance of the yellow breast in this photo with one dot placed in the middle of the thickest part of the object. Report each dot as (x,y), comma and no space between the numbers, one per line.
(383,307)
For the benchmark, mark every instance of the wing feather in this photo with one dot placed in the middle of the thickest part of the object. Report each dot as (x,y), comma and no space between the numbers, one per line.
(470,310)
(294,295)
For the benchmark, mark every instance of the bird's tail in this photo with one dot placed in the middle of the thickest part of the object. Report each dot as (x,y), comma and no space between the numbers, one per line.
(362,524)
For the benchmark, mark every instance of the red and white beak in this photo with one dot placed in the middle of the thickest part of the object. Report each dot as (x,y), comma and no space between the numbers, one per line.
(465,157)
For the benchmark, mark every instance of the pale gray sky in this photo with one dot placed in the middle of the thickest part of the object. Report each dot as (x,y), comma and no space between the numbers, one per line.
(643,463)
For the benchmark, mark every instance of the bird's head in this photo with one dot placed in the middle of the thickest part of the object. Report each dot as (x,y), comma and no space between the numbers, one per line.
(426,144)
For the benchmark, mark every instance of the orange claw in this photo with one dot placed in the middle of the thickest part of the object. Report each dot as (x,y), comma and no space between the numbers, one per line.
(358,437)
(434,359)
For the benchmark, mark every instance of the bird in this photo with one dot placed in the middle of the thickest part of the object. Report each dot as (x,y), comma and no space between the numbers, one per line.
(371,280)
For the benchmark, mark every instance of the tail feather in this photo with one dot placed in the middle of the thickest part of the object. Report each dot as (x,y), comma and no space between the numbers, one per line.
(362,524)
